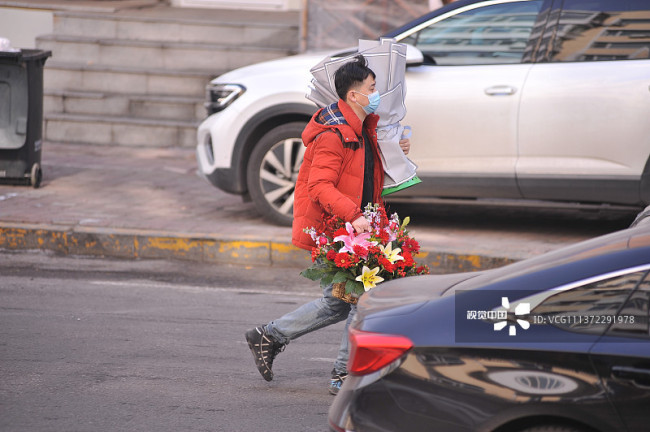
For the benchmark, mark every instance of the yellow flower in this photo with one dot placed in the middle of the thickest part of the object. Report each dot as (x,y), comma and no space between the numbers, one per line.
(390,254)
(369,278)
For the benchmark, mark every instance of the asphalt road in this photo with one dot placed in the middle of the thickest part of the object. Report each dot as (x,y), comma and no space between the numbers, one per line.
(101,345)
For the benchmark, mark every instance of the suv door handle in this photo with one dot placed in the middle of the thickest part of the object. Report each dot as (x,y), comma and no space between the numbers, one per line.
(639,376)
(500,90)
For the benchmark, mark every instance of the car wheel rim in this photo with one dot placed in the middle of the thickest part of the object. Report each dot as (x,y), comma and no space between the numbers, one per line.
(278,174)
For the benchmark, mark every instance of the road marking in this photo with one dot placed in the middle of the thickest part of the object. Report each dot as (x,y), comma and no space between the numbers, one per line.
(7,196)
(322,359)
(195,288)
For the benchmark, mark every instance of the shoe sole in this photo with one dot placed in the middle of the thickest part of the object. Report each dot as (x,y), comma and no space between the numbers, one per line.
(266,373)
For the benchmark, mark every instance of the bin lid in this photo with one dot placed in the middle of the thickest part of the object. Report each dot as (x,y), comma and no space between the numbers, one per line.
(24,55)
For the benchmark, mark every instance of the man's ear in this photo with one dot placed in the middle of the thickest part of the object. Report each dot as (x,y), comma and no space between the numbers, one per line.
(351,96)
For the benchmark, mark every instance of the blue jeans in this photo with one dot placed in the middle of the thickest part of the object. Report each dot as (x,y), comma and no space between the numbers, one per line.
(312,316)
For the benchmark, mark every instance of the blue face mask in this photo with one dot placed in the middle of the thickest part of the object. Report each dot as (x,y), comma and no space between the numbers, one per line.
(373,102)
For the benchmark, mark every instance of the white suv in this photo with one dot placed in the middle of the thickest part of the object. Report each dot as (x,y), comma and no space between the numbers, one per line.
(510,99)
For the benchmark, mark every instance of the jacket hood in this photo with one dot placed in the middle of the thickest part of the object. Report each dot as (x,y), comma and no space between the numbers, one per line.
(339,116)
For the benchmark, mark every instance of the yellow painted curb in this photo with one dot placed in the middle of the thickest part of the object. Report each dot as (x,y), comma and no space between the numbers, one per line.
(139,244)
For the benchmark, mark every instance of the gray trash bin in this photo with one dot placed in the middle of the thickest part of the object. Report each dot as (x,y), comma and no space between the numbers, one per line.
(21,115)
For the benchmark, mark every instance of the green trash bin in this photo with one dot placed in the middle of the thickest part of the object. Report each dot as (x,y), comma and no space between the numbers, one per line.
(21,115)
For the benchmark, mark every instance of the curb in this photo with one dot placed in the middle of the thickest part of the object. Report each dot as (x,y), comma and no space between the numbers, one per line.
(198,247)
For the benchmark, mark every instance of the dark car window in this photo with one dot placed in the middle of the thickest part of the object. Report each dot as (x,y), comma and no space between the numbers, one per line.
(494,34)
(589,308)
(602,30)
(632,320)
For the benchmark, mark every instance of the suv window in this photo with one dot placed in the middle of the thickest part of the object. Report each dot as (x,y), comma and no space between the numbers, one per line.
(494,34)
(590,308)
(602,30)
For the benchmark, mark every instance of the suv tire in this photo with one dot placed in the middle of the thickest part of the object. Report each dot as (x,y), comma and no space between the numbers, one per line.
(273,169)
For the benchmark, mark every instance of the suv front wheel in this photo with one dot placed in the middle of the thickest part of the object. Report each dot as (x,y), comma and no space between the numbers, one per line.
(273,169)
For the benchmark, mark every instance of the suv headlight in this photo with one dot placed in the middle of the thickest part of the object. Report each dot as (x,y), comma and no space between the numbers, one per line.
(219,96)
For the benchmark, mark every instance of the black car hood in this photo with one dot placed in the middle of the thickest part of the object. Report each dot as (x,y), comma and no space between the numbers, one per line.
(402,296)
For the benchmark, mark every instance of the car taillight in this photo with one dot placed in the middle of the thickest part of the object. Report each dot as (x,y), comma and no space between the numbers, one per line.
(370,352)
(336,428)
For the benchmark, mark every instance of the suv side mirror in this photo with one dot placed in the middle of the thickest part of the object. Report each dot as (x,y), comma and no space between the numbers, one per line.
(414,56)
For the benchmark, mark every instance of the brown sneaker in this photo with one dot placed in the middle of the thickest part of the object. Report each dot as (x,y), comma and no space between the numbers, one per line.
(264,349)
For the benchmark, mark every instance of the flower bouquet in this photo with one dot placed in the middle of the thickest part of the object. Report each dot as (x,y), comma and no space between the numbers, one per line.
(355,263)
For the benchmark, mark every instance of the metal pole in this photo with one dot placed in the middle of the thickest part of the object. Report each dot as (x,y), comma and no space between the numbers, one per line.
(304,26)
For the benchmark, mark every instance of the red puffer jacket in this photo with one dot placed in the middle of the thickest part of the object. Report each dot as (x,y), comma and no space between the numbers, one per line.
(330,180)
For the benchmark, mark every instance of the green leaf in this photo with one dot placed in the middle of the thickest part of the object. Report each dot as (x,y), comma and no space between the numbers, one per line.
(312,273)
(326,280)
(341,276)
(354,287)
(323,265)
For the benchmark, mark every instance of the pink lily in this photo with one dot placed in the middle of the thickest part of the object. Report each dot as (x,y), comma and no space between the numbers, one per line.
(351,240)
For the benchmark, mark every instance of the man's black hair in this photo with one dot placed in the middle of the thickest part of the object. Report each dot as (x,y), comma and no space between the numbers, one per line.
(351,75)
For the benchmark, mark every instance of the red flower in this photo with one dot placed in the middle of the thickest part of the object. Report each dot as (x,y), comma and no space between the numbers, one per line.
(360,251)
(344,260)
(423,270)
(408,259)
(314,254)
(339,232)
(411,245)
(390,267)
(331,255)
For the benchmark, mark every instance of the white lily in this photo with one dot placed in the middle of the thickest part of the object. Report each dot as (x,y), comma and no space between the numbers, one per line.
(391,254)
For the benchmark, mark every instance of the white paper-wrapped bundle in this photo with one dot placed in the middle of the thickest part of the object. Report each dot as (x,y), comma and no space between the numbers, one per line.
(387,59)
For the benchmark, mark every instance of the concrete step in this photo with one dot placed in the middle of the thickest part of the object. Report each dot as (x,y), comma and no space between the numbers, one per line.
(63,76)
(124,105)
(152,54)
(125,131)
(204,26)
(103,6)
(137,77)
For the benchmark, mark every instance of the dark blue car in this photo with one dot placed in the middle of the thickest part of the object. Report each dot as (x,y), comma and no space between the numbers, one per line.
(558,343)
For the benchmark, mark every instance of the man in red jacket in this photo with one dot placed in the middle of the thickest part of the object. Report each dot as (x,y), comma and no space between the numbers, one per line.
(341,173)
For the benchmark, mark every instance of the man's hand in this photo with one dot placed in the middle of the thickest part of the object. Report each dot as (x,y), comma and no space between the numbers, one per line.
(405,145)
(361,225)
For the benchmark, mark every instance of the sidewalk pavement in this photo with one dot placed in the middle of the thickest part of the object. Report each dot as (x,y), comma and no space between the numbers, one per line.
(141,203)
